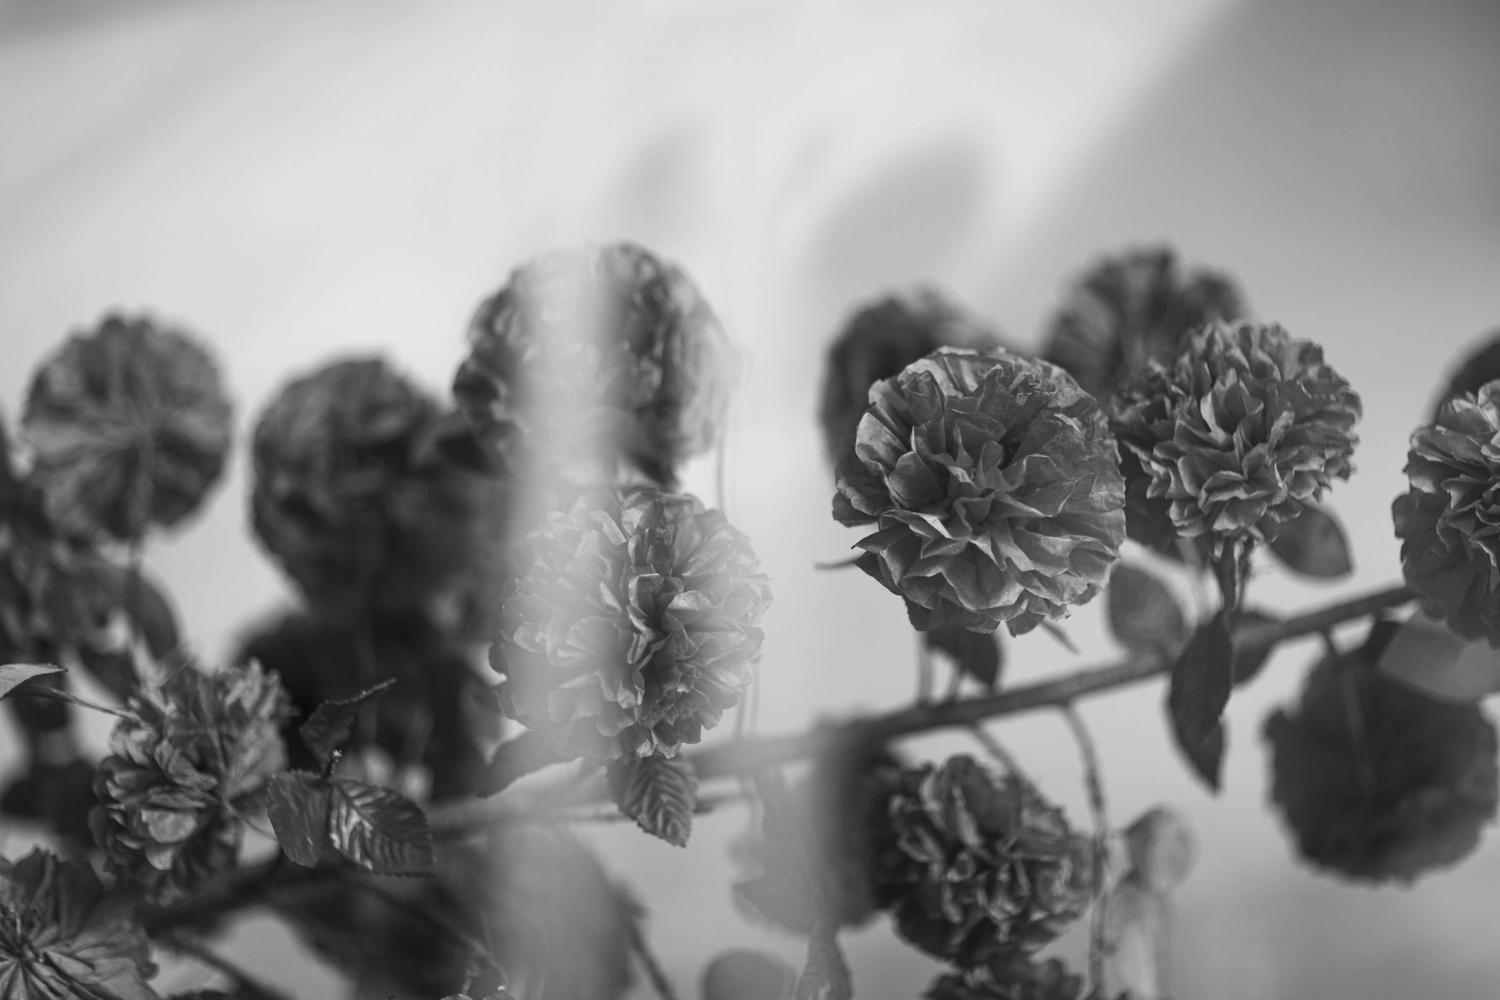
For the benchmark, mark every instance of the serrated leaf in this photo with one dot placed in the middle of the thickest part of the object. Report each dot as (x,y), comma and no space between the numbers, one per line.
(747,975)
(1199,690)
(1249,659)
(659,793)
(1143,612)
(1426,655)
(13,675)
(975,654)
(380,830)
(299,805)
(826,975)
(332,722)
(1313,544)
(514,759)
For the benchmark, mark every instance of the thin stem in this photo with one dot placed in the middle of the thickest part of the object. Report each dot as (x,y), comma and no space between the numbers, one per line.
(1094,784)
(654,972)
(924,670)
(57,694)
(1002,756)
(133,590)
(245,983)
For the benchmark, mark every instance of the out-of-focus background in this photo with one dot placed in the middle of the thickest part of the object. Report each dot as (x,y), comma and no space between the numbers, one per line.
(296,180)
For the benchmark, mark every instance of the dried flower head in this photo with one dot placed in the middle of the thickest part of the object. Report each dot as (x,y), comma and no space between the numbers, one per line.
(1234,435)
(994,486)
(978,867)
(1130,309)
(1010,977)
(195,754)
(1449,519)
(599,352)
(62,937)
(633,625)
(347,498)
(130,427)
(879,340)
(1378,781)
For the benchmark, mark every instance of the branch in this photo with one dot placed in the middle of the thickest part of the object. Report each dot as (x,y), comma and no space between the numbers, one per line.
(246,984)
(741,755)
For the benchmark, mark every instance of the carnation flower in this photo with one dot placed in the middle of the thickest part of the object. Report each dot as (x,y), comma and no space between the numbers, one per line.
(632,627)
(601,351)
(1130,309)
(62,937)
(994,486)
(1376,780)
(350,502)
(1011,977)
(1449,519)
(194,754)
(1234,436)
(130,427)
(878,341)
(815,860)
(977,867)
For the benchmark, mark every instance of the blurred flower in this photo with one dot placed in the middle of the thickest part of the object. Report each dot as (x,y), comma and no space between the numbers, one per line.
(878,341)
(350,502)
(130,426)
(1378,781)
(195,754)
(1235,435)
(814,861)
(1130,309)
(606,349)
(1450,545)
(977,867)
(62,937)
(994,485)
(1479,367)
(633,626)
(432,719)
(1011,977)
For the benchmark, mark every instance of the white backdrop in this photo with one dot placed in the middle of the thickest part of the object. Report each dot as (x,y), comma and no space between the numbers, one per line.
(297,180)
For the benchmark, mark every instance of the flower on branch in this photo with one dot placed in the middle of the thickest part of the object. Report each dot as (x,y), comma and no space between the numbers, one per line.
(63,937)
(994,486)
(632,627)
(976,867)
(878,341)
(1130,309)
(1378,781)
(1233,436)
(1010,977)
(1449,519)
(194,756)
(597,353)
(347,498)
(130,427)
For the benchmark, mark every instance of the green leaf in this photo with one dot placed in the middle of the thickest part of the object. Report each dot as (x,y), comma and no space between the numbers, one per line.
(1426,655)
(331,722)
(826,975)
(1313,544)
(747,975)
(1143,613)
(659,793)
(299,805)
(13,675)
(514,759)
(1199,690)
(380,830)
(975,654)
